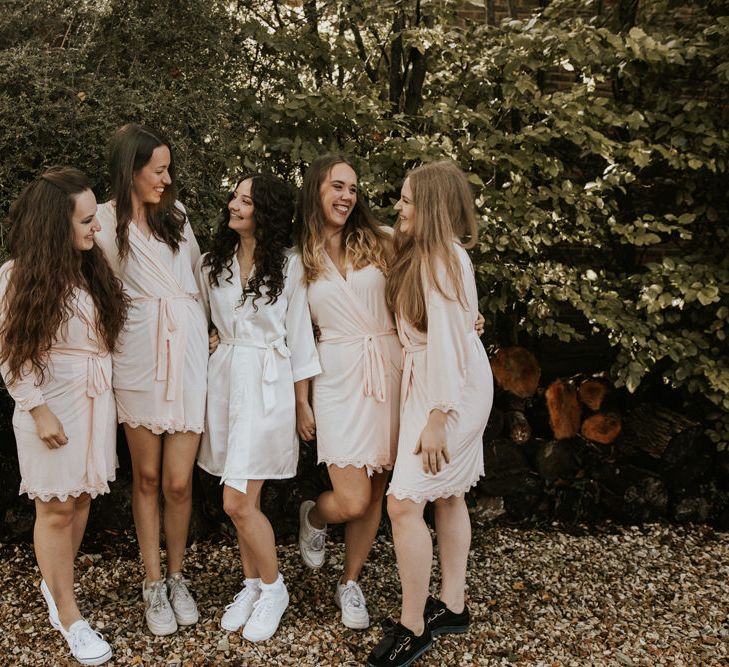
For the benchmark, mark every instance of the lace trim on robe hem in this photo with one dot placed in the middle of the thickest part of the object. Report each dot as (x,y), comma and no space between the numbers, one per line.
(46,496)
(372,468)
(160,427)
(405,494)
(443,406)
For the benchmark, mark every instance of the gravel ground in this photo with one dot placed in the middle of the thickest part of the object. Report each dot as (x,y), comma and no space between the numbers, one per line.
(655,595)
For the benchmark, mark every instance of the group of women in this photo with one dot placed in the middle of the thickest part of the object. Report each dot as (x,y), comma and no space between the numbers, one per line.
(110,313)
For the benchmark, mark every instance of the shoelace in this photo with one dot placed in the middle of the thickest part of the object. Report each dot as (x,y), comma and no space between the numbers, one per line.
(178,590)
(241,597)
(352,596)
(83,637)
(262,606)
(317,541)
(157,598)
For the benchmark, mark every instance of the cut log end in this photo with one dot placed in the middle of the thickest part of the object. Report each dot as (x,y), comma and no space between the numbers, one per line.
(592,392)
(516,370)
(602,429)
(564,409)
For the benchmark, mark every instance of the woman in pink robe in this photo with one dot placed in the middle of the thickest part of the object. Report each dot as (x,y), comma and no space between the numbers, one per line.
(61,312)
(446,397)
(356,397)
(160,367)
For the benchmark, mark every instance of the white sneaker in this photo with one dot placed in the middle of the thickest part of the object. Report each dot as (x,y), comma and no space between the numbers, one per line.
(267,613)
(311,540)
(157,610)
(52,609)
(87,645)
(239,611)
(182,603)
(350,599)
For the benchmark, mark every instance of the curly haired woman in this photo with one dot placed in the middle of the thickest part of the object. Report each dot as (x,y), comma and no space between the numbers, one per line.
(62,311)
(258,381)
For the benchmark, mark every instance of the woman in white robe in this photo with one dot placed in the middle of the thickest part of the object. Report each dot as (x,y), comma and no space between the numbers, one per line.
(446,397)
(61,313)
(258,381)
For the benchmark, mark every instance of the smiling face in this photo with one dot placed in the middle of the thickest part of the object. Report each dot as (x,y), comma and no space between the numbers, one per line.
(406,208)
(338,195)
(241,207)
(83,221)
(150,181)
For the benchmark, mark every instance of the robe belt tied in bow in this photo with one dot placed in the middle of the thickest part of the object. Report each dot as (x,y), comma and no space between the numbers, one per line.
(407,368)
(168,338)
(374,377)
(269,377)
(97,382)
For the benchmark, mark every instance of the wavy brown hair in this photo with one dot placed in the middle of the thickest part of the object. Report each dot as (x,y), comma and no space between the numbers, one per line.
(444,213)
(364,242)
(46,270)
(273,212)
(131,148)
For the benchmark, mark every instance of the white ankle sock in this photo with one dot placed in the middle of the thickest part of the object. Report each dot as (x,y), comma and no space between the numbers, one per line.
(252,583)
(274,587)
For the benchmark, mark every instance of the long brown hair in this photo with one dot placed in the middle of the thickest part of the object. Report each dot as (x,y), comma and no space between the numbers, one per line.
(364,242)
(273,211)
(444,212)
(131,148)
(46,270)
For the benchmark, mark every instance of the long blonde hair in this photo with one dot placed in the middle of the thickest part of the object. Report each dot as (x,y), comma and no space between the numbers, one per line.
(444,213)
(364,242)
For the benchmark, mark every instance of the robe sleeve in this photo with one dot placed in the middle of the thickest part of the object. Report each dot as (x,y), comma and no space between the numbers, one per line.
(189,235)
(447,341)
(23,390)
(203,284)
(299,331)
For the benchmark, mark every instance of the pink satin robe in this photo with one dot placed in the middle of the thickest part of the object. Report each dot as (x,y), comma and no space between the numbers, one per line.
(77,389)
(444,368)
(160,366)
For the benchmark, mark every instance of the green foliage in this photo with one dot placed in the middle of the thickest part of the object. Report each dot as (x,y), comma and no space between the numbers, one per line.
(598,154)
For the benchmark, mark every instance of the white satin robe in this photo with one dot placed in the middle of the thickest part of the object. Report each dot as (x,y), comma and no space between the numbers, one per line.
(444,368)
(251,410)
(77,389)
(161,361)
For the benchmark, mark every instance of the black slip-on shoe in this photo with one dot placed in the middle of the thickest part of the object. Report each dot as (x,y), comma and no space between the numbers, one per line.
(441,620)
(399,647)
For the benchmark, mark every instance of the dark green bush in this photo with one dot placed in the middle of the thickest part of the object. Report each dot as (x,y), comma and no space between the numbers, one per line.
(603,194)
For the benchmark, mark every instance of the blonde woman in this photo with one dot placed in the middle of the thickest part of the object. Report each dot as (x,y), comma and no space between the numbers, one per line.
(356,398)
(447,391)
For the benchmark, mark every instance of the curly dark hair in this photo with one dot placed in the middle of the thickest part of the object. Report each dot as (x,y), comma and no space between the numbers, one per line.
(273,212)
(130,149)
(46,270)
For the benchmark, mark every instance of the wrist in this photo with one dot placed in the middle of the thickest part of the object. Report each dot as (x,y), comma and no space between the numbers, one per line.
(38,410)
(437,417)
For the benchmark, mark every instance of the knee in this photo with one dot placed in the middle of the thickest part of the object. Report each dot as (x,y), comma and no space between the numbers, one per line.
(147,482)
(398,510)
(354,506)
(58,516)
(177,490)
(239,512)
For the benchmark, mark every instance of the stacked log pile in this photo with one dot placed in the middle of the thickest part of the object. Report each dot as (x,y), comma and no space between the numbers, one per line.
(571,451)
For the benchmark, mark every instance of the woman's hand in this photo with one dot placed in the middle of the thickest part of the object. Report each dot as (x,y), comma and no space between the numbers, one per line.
(213,341)
(48,426)
(305,425)
(432,445)
(480,324)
